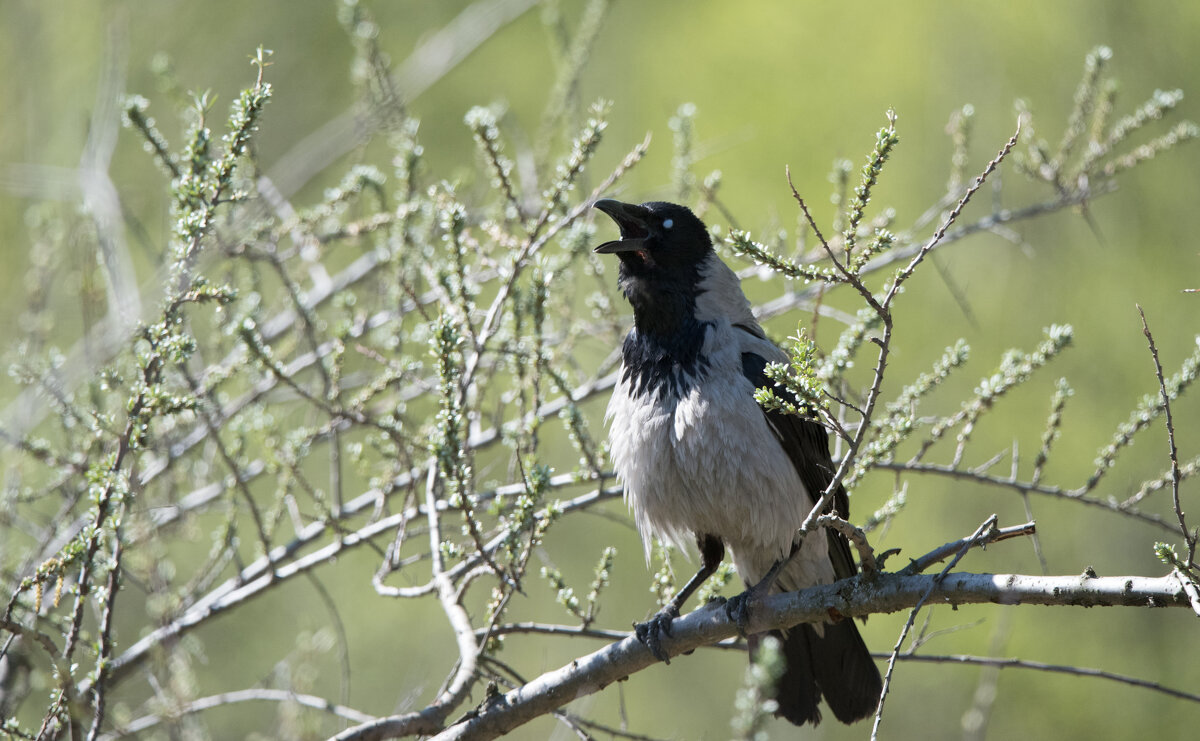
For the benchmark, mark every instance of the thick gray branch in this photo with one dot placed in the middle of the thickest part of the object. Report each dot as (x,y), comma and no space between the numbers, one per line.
(852,597)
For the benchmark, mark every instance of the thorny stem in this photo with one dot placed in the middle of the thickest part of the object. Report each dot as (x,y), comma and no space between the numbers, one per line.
(1189,538)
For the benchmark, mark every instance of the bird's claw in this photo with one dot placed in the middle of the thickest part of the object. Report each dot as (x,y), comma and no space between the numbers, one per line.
(737,609)
(650,632)
(740,607)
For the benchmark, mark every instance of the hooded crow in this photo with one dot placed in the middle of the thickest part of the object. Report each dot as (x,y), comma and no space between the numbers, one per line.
(700,459)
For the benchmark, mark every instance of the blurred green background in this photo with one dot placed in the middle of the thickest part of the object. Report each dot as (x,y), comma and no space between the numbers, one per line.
(775,83)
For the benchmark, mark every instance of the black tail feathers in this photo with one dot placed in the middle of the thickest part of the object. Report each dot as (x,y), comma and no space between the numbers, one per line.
(836,665)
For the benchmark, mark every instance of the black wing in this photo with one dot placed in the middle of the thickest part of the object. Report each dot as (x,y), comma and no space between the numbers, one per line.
(807,445)
(835,664)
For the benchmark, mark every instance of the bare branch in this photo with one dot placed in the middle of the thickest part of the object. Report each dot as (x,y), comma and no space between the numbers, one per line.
(1079,671)
(851,597)
(256,694)
(981,540)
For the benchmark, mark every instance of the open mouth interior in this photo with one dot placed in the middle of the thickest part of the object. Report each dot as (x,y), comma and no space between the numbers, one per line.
(633,230)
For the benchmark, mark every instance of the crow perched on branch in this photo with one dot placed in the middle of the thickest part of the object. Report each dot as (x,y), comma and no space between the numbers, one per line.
(699,458)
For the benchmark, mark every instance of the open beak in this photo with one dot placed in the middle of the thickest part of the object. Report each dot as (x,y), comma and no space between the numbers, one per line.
(632,220)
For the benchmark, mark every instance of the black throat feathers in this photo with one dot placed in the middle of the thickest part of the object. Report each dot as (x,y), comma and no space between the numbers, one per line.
(662,353)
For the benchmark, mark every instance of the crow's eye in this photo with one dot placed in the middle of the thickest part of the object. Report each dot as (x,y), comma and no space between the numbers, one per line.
(668,223)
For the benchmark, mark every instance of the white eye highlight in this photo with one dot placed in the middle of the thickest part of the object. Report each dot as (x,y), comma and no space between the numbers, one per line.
(668,223)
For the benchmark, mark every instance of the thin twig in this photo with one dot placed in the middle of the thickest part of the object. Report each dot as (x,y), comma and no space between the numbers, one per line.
(1078,495)
(952,217)
(991,535)
(866,554)
(1188,538)
(1080,671)
(100,688)
(460,622)
(976,538)
(256,694)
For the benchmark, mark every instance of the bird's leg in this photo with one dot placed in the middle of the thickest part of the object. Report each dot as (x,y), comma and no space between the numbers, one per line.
(650,633)
(738,607)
